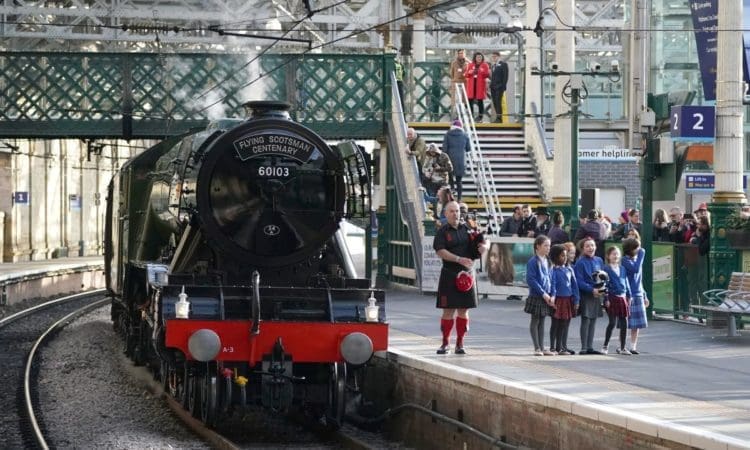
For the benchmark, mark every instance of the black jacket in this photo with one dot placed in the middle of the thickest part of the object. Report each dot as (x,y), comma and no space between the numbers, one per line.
(499,77)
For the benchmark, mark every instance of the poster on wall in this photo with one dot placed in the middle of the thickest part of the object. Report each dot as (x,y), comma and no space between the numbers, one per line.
(74,202)
(431,264)
(500,272)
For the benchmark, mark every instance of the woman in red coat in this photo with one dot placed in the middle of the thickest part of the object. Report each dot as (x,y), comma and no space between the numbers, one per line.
(476,83)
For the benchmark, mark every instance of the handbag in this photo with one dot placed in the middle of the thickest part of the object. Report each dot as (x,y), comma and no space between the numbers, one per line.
(464,281)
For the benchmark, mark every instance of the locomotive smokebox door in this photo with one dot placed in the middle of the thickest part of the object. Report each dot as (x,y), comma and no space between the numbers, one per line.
(271,192)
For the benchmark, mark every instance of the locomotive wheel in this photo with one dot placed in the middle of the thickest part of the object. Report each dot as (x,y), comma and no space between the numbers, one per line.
(336,396)
(182,393)
(209,399)
(168,375)
(194,395)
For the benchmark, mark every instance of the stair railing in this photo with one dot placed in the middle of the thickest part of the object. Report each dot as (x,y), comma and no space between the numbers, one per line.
(540,152)
(406,179)
(480,168)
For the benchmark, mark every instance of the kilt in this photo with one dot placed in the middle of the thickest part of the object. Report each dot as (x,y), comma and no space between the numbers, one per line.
(564,308)
(536,306)
(449,297)
(591,307)
(618,306)
(637,313)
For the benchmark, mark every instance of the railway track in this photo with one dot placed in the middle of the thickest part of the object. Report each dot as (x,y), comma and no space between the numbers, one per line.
(301,433)
(19,334)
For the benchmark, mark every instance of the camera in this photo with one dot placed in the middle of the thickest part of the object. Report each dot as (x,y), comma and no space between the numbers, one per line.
(553,65)
(600,278)
(614,66)
(595,67)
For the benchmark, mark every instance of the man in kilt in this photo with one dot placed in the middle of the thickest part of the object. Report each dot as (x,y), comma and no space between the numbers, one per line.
(458,246)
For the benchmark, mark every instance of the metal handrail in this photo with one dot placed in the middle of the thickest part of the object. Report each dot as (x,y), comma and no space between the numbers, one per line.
(480,168)
(540,151)
(540,130)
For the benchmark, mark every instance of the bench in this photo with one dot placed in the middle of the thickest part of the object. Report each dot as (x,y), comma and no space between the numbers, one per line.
(734,301)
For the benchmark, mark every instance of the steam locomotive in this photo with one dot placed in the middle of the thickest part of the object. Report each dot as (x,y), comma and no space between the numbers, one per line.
(228,271)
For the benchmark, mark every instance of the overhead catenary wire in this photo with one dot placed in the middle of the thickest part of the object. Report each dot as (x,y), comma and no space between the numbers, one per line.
(163,28)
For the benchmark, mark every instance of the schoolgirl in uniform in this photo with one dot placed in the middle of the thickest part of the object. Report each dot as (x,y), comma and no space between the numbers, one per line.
(565,300)
(591,299)
(540,302)
(617,302)
(633,264)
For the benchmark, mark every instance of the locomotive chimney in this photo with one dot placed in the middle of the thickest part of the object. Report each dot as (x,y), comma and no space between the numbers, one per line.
(266,109)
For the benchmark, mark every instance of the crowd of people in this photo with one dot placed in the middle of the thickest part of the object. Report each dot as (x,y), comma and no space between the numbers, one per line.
(564,286)
(564,282)
(679,228)
(565,279)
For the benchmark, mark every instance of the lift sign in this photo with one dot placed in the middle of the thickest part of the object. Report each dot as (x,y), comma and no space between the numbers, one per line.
(693,122)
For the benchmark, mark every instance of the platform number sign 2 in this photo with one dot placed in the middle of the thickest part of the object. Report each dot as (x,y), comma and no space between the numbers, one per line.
(692,122)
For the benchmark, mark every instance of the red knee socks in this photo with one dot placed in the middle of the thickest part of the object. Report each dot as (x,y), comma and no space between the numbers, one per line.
(462,325)
(446,325)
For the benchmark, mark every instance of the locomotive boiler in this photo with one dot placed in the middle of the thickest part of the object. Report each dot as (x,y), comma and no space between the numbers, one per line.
(229,273)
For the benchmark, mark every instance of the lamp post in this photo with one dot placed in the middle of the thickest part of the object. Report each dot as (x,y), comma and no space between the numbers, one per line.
(576,83)
(575,91)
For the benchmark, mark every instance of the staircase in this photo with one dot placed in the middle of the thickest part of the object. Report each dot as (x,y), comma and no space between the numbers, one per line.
(513,169)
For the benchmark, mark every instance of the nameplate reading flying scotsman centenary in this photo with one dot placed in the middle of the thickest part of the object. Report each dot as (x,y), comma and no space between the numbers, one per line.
(257,145)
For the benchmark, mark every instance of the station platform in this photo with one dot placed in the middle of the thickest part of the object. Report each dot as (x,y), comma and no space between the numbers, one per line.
(690,384)
(28,280)
(9,271)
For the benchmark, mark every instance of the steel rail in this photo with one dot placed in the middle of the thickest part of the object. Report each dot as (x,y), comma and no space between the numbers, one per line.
(21,314)
(41,441)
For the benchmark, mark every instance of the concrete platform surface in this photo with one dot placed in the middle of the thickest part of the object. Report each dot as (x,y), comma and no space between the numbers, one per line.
(693,379)
(28,268)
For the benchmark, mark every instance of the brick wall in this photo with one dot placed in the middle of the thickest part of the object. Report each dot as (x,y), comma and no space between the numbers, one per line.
(610,174)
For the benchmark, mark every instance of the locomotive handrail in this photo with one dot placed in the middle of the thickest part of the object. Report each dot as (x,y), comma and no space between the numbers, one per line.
(255,329)
(412,208)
